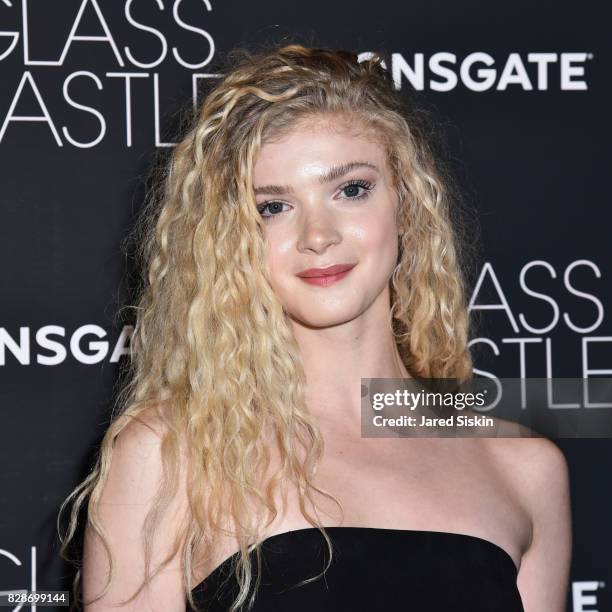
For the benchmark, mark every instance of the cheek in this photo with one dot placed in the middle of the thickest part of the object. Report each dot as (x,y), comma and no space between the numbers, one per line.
(378,241)
(277,256)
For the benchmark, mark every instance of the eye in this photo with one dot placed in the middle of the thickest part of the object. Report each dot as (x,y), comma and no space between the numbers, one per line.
(353,188)
(273,207)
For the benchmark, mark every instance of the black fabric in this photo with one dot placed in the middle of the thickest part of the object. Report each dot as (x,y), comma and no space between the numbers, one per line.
(372,569)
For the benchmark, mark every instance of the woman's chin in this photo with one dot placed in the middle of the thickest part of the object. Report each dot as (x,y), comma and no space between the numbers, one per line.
(321,320)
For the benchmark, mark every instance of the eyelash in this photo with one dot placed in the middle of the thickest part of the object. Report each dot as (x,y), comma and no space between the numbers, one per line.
(367,185)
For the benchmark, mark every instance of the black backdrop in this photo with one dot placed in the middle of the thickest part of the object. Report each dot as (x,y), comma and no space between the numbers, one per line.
(89,93)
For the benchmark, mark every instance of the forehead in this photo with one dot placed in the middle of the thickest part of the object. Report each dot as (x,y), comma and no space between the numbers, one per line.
(312,145)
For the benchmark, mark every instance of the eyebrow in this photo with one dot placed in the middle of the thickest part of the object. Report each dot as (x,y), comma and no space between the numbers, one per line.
(334,173)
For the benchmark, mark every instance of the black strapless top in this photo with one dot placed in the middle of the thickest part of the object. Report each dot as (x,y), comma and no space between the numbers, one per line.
(372,569)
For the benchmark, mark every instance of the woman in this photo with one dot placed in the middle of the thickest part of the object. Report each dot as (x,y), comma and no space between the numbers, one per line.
(304,241)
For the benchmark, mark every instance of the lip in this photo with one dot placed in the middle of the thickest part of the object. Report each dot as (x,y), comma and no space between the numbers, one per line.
(324,277)
(329,271)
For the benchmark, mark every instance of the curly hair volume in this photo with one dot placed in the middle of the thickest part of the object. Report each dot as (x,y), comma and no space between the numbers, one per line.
(212,352)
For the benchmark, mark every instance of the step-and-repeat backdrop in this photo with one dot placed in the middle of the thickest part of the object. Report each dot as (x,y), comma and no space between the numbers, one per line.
(91,95)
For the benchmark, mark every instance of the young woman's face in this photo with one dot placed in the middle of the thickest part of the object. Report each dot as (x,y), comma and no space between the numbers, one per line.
(326,199)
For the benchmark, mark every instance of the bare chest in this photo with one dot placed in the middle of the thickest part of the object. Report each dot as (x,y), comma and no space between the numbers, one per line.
(456,485)
(450,485)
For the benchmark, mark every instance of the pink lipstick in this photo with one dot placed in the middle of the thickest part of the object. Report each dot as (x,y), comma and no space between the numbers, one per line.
(323,277)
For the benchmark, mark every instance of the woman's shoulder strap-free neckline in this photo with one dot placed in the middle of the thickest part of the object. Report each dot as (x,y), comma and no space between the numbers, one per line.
(382,530)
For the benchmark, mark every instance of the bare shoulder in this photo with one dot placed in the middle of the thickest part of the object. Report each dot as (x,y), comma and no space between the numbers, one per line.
(143,430)
(534,460)
(539,473)
(136,458)
(130,491)
(534,464)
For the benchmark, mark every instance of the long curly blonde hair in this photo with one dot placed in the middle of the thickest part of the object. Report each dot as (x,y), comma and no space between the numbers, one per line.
(212,350)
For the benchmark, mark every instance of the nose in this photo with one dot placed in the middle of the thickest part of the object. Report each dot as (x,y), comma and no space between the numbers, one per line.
(319,231)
